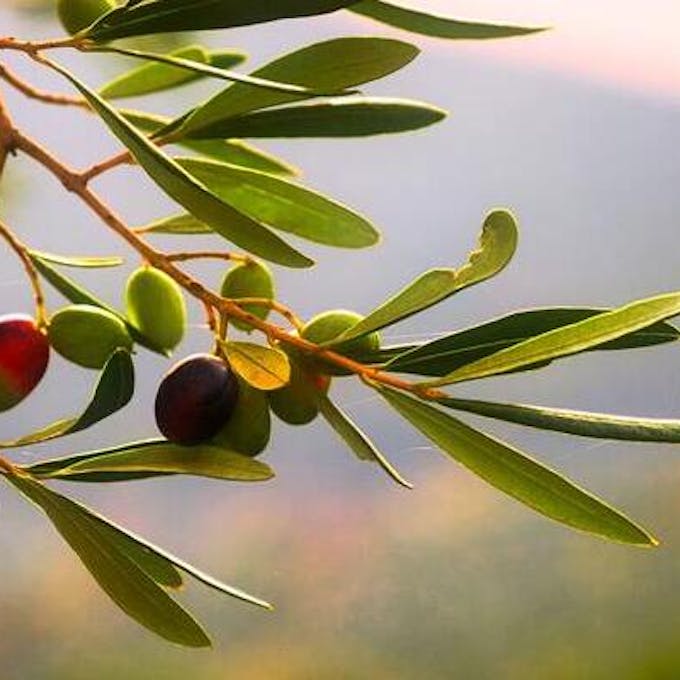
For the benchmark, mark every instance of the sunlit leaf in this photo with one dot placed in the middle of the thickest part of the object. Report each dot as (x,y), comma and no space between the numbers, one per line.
(357,441)
(176,224)
(570,339)
(125,581)
(330,65)
(79,262)
(188,192)
(163,16)
(165,458)
(114,390)
(202,69)
(443,355)
(346,117)
(262,367)
(497,244)
(436,26)
(581,423)
(157,77)
(514,473)
(284,205)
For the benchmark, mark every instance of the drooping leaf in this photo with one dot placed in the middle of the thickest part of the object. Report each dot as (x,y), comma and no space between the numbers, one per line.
(516,474)
(436,26)
(161,458)
(80,296)
(203,69)
(157,77)
(87,262)
(497,244)
(163,16)
(330,65)
(345,117)
(581,423)
(284,205)
(114,390)
(126,582)
(265,368)
(188,192)
(357,441)
(443,355)
(234,151)
(570,339)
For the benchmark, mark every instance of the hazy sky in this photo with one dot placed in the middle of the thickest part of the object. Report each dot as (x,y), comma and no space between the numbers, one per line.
(628,43)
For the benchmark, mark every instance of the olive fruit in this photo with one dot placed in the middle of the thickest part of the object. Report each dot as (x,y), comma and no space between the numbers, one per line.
(155,307)
(327,326)
(296,402)
(249,279)
(87,335)
(248,429)
(195,399)
(75,15)
(24,354)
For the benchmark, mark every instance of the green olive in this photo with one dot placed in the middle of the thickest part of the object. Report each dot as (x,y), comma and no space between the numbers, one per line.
(249,427)
(296,403)
(246,280)
(75,15)
(155,306)
(87,335)
(325,327)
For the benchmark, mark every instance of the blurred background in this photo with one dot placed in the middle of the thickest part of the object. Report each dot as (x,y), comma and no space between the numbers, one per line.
(576,130)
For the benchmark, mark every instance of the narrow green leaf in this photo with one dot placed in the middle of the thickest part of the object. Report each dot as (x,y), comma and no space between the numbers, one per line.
(166,458)
(176,224)
(497,244)
(443,355)
(163,16)
(581,423)
(79,262)
(97,544)
(284,205)
(346,117)
(571,339)
(189,193)
(262,367)
(114,390)
(80,296)
(330,65)
(357,441)
(436,26)
(517,475)
(234,151)
(198,68)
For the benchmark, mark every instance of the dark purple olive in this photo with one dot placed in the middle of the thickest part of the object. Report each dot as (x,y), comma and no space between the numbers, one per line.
(196,399)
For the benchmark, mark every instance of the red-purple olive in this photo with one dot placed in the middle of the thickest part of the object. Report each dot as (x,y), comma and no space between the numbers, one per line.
(195,399)
(24,354)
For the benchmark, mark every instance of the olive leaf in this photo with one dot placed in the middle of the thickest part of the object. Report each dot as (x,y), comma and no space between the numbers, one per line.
(516,474)
(113,391)
(188,192)
(357,441)
(335,64)
(157,77)
(154,458)
(163,16)
(284,205)
(569,339)
(346,117)
(443,355)
(265,368)
(80,262)
(581,423)
(497,244)
(436,26)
